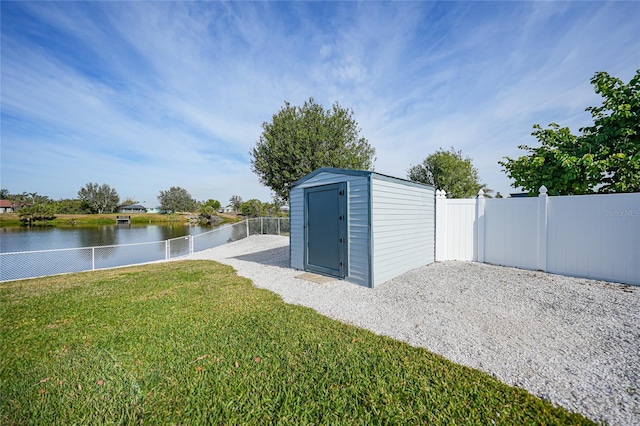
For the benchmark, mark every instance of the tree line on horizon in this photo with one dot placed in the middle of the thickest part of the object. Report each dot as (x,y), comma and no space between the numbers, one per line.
(99,199)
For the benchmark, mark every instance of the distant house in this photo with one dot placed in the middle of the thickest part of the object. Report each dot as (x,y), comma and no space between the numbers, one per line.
(227,209)
(6,206)
(134,208)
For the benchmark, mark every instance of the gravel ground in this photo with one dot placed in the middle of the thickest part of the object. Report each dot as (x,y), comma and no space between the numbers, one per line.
(571,341)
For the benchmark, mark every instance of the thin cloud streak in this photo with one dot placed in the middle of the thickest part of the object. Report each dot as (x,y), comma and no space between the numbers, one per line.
(145,96)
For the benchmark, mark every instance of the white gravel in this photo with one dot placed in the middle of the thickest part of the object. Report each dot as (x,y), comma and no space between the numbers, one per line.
(571,341)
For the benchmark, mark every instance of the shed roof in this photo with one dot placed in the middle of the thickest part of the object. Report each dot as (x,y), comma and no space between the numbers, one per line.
(363,173)
(133,207)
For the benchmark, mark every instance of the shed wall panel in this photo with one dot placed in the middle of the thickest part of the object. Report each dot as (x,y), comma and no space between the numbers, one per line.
(296,228)
(403,228)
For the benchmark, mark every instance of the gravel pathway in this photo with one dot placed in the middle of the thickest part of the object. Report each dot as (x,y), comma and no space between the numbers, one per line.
(571,341)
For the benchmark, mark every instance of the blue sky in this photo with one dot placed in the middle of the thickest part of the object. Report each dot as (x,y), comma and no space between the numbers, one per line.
(144,96)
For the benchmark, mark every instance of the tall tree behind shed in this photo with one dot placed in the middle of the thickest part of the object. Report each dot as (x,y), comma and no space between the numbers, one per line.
(301,139)
(448,171)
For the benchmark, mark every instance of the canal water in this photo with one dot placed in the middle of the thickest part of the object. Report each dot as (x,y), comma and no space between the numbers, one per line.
(14,239)
(35,252)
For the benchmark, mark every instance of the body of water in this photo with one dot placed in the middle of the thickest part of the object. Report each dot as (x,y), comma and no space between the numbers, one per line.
(15,239)
(35,252)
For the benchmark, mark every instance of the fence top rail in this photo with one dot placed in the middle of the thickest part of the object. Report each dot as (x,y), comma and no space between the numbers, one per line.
(219,228)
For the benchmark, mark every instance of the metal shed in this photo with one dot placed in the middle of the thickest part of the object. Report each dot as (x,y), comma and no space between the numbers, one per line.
(362,226)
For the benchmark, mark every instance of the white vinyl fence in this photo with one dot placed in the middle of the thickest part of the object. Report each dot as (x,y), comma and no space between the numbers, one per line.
(30,264)
(594,236)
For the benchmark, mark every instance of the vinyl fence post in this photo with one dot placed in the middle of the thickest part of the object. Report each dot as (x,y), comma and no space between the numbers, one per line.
(480,226)
(261,225)
(166,249)
(542,228)
(247,222)
(93,258)
(279,225)
(441,225)
(190,244)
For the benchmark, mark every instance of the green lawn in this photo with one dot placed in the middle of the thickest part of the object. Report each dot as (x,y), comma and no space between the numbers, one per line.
(192,343)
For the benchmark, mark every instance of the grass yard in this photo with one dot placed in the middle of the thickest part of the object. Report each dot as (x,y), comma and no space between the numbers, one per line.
(192,343)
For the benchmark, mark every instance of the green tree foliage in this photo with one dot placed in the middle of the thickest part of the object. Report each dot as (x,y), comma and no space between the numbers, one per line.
(69,206)
(604,158)
(235,202)
(26,198)
(301,139)
(129,201)
(448,171)
(176,199)
(252,208)
(37,212)
(212,204)
(99,198)
(272,209)
(209,211)
(4,194)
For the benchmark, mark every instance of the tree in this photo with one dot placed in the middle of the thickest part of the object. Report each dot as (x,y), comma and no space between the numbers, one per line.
(70,206)
(210,208)
(37,212)
(302,139)
(616,133)
(448,171)
(604,158)
(273,208)
(235,201)
(176,199)
(209,211)
(99,198)
(4,194)
(129,201)
(252,208)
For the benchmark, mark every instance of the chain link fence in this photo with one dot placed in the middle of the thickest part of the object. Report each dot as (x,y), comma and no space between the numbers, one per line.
(39,263)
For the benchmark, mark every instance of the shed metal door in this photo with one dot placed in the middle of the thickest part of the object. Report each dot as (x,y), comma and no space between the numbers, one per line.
(326,229)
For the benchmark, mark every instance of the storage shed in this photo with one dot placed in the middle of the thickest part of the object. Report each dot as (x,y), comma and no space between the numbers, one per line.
(364,227)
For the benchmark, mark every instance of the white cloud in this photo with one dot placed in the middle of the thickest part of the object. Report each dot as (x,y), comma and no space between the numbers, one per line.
(144,96)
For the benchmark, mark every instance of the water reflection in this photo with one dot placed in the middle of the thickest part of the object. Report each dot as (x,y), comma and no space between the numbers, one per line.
(96,236)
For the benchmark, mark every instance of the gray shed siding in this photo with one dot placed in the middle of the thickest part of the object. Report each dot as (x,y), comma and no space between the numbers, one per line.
(357,224)
(403,228)
(390,224)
